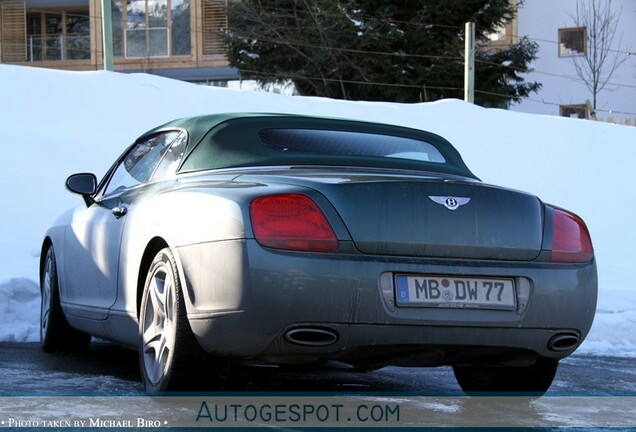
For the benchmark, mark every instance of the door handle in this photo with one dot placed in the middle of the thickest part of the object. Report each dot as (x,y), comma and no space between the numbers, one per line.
(119,211)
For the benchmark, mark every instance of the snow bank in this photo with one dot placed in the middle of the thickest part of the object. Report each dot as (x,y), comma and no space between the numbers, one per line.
(19,310)
(54,123)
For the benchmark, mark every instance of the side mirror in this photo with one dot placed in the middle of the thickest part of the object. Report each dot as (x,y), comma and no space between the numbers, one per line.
(84,184)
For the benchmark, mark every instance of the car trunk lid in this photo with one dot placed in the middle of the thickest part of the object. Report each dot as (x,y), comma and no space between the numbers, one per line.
(439,219)
(428,216)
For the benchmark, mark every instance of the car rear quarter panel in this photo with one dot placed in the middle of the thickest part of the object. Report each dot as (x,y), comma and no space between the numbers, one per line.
(196,211)
(55,236)
(182,217)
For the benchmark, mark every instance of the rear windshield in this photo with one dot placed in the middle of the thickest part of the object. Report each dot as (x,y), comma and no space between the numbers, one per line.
(306,141)
(348,143)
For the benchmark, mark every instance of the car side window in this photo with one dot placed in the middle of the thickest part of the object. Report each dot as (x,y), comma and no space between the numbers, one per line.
(171,159)
(141,161)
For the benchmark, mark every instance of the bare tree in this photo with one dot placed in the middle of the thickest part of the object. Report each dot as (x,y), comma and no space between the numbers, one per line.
(601,59)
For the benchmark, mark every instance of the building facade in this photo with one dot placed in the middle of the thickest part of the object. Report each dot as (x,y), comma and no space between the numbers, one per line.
(553,26)
(182,39)
(176,38)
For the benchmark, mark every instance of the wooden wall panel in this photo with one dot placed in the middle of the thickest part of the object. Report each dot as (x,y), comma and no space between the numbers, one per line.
(13,30)
(214,19)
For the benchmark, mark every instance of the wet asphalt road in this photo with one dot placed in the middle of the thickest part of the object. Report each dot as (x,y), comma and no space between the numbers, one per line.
(103,386)
(110,370)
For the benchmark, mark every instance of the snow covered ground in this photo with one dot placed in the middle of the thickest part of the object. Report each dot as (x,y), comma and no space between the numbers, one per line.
(55,123)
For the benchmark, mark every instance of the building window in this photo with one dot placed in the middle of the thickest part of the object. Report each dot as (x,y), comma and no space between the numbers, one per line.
(58,36)
(499,36)
(572,42)
(151,28)
(574,111)
(504,35)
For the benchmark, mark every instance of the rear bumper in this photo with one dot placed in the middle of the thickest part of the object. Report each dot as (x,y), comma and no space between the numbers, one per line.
(243,300)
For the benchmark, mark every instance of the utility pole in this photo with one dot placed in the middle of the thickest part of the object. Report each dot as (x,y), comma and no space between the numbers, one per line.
(107,32)
(469,63)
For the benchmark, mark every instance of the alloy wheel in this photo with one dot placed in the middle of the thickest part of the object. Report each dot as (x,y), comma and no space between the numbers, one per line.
(159,321)
(45,308)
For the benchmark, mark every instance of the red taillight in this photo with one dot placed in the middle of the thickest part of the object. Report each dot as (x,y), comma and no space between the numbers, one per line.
(293,222)
(571,241)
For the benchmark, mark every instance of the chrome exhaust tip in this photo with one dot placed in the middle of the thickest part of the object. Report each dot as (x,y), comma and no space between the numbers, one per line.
(311,336)
(564,341)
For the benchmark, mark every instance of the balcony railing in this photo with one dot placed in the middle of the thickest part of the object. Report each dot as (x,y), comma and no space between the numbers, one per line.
(58,47)
(147,42)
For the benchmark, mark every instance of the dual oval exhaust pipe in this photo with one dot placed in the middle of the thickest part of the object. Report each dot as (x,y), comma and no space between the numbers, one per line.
(319,336)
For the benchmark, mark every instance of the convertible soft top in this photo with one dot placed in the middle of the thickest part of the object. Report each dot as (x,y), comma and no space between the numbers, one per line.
(263,139)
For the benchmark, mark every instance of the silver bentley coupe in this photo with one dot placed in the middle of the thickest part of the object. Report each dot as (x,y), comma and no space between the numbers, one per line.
(282,239)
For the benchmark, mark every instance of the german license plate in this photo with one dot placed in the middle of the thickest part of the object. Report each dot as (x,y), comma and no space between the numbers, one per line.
(455,292)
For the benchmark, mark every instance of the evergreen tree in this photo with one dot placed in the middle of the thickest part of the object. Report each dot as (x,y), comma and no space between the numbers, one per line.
(382,50)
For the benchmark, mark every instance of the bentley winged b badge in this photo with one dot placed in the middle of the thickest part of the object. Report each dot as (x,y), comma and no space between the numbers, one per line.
(451,203)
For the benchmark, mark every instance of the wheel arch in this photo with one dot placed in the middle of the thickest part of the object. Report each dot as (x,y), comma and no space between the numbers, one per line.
(152,249)
(47,243)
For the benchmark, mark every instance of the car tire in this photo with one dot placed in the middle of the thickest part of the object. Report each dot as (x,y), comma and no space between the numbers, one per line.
(535,379)
(170,358)
(55,332)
